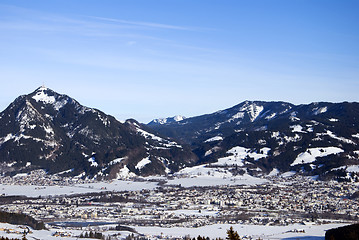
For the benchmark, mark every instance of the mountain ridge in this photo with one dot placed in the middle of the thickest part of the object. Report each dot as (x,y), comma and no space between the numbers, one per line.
(52,131)
(327,130)
(48,130)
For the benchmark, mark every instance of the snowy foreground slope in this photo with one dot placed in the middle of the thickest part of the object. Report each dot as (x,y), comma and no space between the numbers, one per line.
(311,232)
(214,231)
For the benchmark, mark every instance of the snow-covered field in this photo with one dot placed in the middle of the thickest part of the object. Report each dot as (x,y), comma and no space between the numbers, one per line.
(198,177)
(314,232)
(206,180)
(35,191)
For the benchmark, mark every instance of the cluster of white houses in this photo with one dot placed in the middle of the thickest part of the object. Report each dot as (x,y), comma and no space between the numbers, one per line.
(278,202)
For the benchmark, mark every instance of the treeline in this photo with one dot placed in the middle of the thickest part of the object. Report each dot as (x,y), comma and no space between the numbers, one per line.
(124,228)
(6,238)
(11,199)
(91,234)
(231,235)
(21,219)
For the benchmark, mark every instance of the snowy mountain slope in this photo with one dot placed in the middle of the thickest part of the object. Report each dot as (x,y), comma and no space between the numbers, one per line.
(161,121)
(314,139)
(53,131)
(192,130)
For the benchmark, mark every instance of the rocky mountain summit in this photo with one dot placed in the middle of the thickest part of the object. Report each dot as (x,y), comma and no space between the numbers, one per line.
(160,121)
(52,131)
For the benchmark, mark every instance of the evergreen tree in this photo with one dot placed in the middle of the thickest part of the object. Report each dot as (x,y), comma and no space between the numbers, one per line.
(232,235)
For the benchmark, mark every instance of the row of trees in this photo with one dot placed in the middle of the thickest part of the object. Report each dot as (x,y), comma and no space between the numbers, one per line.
(91,234)
(22,219)
(231,235)
(6,238)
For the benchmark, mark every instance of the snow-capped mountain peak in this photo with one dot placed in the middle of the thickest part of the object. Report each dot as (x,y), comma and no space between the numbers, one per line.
(41,94)
(178,118)
(53,131)
(252,109)
(162,121)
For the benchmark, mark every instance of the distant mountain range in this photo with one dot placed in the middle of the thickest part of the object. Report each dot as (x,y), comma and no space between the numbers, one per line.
(263,138)
(52,131)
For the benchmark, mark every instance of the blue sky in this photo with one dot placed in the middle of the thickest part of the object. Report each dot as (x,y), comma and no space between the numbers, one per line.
(153,58)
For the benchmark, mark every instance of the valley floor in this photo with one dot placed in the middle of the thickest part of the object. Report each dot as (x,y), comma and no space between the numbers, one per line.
(278,207)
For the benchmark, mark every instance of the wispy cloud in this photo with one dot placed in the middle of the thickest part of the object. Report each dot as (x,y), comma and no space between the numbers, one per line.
(13,16)
(144,24)
(149,38)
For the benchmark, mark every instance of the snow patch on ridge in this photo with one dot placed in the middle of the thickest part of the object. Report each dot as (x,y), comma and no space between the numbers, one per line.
(332,135)
(164,142)
(297,128)
(43,97)
(8,137)
(213,139)
(317,111)
(117,160)
(238,154)
(274,172)
(270,116)
(162,121)
(312,153)
(178,118)
(209,152)
(125,173)
(239,115)
(149,135)
(293,117)
(253,110)
(141,164)
(93,162)
(60,104)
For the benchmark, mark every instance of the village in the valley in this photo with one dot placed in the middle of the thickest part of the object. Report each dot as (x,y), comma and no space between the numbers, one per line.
(278,202)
